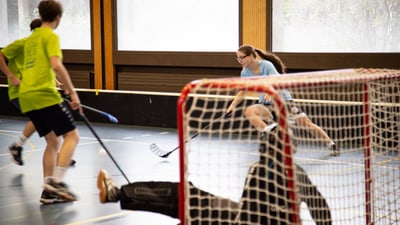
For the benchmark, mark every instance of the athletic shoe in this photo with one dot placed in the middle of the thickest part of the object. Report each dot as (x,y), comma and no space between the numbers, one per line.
(16,154)
(108,190)
(335,151)
(49,198)
(60,189)
(72,163)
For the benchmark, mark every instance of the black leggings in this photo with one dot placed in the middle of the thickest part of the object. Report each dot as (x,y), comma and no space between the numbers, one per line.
(162,197)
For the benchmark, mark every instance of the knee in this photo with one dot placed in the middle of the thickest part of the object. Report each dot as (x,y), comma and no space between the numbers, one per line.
(251,111)
(53,142)
(72,136)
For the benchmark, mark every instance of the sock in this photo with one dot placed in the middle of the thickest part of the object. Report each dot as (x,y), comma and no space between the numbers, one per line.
(59,173)
(269,127)
(330,144)
(21,140)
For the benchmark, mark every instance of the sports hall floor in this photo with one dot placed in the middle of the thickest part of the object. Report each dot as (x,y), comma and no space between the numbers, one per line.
(21,186)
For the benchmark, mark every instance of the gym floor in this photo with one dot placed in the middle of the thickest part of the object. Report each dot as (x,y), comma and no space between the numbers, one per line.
(21,186)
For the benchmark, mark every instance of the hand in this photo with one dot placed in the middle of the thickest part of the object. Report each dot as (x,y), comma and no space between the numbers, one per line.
(15,81)
(75,103)
(59,84)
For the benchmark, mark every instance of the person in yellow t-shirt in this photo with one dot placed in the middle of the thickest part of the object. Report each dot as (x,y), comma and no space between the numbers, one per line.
(11,63)
(14,55)
(41,101)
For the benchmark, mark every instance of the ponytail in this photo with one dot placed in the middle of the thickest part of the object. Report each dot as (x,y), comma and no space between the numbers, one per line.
(274,59)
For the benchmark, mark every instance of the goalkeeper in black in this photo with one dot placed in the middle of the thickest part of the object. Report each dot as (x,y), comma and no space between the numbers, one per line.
(265,198)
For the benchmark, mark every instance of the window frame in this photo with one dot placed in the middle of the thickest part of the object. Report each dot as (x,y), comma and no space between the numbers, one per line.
(293,61)
(328,60)
(173,58)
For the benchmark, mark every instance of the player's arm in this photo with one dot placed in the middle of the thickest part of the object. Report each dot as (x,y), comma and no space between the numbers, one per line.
(61,87)
(64,78)
(238,98)
(4,68)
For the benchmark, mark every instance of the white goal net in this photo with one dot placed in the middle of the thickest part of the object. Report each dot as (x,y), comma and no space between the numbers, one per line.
(233,174)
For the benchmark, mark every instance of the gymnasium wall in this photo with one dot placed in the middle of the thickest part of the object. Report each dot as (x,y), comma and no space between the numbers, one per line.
(130,108)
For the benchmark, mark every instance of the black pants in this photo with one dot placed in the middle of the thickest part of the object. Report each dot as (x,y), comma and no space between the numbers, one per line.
(162,197)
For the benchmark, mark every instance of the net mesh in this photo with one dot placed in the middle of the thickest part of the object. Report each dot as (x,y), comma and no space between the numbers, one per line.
(234,174)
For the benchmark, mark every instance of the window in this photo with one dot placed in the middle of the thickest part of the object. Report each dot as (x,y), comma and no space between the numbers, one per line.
(15,17)
(178,25)
(336,26)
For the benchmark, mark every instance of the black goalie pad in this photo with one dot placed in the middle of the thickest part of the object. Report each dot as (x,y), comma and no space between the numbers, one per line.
(159,197)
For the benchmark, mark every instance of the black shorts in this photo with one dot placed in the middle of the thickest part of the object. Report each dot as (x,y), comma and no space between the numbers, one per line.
(57,118)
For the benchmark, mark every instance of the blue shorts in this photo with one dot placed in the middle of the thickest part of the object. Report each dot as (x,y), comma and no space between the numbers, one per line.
(57,118)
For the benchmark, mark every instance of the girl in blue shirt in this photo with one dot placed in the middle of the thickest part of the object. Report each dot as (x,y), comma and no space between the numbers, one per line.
(258,114)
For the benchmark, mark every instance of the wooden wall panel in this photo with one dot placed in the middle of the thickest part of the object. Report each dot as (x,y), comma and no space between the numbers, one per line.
(97,44)
(254,23)
(80,79)
(161,82)
(108,34)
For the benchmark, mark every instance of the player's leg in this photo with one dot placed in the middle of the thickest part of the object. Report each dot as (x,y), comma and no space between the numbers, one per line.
(49,155)
(257,114)
(302,120)
(162,197)
(50,123)
(49,163)
(159,197)
(316,203)
(16,148)
(64,125)
(67,149)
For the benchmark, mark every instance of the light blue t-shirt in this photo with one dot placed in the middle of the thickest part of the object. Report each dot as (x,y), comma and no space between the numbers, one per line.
(266,69)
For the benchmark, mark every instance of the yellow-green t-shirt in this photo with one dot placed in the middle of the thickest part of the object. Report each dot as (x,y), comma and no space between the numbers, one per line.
(14,53)
(38,87)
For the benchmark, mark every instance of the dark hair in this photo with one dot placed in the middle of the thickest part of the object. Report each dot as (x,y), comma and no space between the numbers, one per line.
(49,10)
(35,23)
(274,59)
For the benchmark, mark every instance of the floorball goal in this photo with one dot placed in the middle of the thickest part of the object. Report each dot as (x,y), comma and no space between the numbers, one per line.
(233,174)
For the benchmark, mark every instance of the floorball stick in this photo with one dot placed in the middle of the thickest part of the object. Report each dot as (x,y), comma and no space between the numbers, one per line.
(164,154)
(110,117)
(85,119)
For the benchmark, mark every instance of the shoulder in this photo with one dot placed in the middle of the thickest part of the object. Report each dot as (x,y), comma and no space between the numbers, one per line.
(17,43)
(266,63)
(267,67)
(14,47)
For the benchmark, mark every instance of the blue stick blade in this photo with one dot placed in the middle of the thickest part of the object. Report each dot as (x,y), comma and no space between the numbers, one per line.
(112,119)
